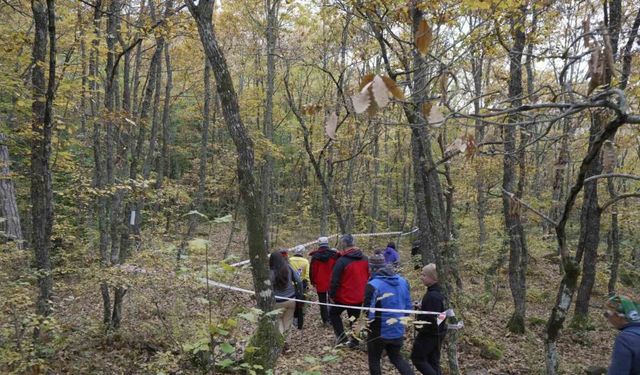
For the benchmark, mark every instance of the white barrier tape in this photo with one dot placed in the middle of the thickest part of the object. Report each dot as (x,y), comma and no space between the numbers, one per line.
(448,313)
(242,263)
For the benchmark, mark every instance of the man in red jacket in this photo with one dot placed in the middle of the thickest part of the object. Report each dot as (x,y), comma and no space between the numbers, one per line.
(348,281)
(322,262)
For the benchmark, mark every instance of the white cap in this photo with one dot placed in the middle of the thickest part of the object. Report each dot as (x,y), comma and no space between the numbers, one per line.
(323,241)
(298,249)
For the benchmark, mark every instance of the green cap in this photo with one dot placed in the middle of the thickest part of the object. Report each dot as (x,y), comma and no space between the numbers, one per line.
(625,306)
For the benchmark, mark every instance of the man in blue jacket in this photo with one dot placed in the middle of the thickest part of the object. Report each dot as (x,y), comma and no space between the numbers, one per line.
(386,290)
(624,314)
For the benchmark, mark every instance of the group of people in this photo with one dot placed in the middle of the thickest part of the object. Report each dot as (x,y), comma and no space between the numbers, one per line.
(349,280)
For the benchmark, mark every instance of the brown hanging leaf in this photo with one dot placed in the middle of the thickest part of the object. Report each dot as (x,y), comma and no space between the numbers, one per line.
(458,145)
(609,158)
(426,109)
(443,86)
(393,88)
(424,36)
(380,92)
(362,100)
(366,79)
(471,146)
(586,29)
(331,125)
(596,70)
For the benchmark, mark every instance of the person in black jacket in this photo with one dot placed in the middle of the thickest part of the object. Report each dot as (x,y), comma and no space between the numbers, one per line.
(426,347)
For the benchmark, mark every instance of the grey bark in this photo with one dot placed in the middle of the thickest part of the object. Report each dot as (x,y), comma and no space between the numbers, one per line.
(511,210)
(165,157)
(266,176)
(477,65)
(10,227)
(42,126)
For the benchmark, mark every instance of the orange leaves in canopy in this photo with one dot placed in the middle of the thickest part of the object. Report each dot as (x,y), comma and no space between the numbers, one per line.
(424,37)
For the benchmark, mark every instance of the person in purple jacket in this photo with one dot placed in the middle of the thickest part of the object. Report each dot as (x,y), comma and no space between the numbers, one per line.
(624,314)
(391,255)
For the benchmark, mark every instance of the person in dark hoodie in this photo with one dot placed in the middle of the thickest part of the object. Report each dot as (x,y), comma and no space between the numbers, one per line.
(322,261)
(348,280)
(624,315)
(426,347)
(386,290)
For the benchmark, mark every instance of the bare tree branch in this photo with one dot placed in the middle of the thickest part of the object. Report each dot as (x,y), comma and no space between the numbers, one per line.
(621,175)
(619,198)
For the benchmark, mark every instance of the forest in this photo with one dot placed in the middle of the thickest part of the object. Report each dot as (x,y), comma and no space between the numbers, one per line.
(153,153)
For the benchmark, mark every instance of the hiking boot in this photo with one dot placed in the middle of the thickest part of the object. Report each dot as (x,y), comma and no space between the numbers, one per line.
(352,344)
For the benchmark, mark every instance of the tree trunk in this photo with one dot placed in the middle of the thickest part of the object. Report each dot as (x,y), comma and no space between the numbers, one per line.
(589,231)
(375,199)
(137,67)
(266,339)
(41,126)
(155,121)
(570,266)
(266,175)
(477,65)
(435,238)
(204,143)
(512,212)
(8,202)
(162,167)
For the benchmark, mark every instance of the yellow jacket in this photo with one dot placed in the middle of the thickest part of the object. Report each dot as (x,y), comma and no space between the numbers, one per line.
(301,265)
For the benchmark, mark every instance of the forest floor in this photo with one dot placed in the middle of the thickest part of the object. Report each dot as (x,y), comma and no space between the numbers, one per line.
(166,316)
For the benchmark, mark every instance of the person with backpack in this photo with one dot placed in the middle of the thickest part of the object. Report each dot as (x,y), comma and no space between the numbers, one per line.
(348,281)
(322,261)
(624,314)
(282,276)
(425,354)
(386,290)
(300,264)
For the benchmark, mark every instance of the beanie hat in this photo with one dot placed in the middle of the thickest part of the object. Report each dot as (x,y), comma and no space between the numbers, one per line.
(298,250)
(625,306)
(323,241)
(347,239)
(376,262)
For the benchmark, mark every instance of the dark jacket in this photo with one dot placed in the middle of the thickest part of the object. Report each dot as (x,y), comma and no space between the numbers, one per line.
(322,261)
(387,290)
(349,277)
(625,359)
(433,300)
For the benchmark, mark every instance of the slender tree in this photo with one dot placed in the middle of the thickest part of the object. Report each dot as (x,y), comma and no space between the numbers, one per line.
(266,338)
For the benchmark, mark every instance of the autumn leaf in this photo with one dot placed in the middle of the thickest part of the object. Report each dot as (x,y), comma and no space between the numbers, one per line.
(362,100)
(393,88)
(426,109)
(380,92)
(424,36)
(608,157)
(366,79)
(459,145)
(331,125)
(436,118)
